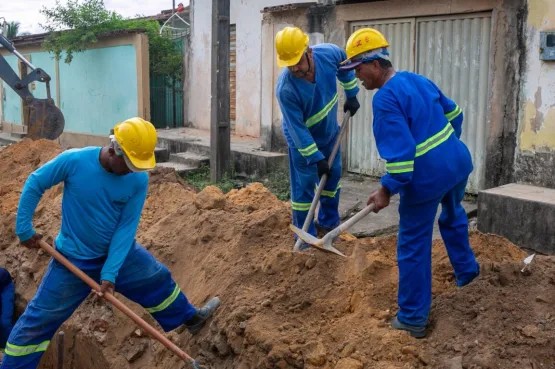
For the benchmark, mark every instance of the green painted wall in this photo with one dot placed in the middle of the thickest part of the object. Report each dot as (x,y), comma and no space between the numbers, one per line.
(12,106)
(97,90)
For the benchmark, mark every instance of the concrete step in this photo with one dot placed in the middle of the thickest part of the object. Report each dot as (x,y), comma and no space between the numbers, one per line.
(180,168)
(161,154)
(246,160)
(7,139)
(18,135)
(190,158)
(531,219)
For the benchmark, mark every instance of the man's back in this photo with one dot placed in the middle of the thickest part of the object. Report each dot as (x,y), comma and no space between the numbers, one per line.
(441,159)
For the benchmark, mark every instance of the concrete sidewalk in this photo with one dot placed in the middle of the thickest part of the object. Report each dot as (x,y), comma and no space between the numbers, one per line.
(358,188)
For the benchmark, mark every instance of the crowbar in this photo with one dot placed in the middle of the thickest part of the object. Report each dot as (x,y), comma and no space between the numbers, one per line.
(118,304)
(326,243)
(310,216)
(60,340)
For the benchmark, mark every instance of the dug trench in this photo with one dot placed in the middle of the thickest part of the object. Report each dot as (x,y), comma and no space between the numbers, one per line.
(282,309)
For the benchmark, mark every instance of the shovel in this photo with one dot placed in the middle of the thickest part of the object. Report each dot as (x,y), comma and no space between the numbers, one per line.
(310,216)
(325,243)
(528,261)
(118,304)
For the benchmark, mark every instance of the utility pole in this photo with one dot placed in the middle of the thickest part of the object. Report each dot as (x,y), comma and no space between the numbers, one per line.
(220,133)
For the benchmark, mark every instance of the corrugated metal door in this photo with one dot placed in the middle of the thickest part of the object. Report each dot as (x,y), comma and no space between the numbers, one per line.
(454,52)
(232,73)
(363,155)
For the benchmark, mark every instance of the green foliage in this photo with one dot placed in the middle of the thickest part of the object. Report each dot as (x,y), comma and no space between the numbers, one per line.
(277,182)
(201,179)
(13,30)
(75,26)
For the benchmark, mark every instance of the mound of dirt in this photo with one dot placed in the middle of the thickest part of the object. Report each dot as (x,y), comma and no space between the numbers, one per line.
(288,310)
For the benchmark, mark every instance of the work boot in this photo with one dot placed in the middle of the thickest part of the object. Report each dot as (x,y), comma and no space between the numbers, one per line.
(197,322)
(414,330)
(468,279)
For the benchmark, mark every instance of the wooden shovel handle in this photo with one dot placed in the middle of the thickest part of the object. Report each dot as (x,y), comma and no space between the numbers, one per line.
(118,304)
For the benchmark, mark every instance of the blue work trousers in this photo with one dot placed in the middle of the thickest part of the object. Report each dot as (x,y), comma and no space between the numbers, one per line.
(304,181)
(6,322)
(141,279)
(414,251)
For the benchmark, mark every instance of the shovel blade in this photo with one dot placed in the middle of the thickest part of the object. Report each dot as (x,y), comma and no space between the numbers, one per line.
(45,120)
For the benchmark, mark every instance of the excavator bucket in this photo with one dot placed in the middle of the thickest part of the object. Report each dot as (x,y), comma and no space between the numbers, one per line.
(45,120)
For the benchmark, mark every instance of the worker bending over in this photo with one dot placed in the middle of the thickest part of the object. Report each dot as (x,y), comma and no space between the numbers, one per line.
(104,192)
(307,95)
(417,130)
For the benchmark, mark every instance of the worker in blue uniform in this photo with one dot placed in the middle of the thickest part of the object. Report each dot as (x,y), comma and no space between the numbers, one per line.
(104,192)
(7,297)
(307,95)
(417,131)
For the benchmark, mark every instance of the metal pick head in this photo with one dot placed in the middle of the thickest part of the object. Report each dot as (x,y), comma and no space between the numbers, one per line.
(324,244)
(305,236)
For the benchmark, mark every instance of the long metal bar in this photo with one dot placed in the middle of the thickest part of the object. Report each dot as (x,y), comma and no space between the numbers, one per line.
(323,180)
(60,343)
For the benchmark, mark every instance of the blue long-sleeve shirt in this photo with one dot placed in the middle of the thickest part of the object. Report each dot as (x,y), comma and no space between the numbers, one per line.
(417,130)
(100,210)
(310,109)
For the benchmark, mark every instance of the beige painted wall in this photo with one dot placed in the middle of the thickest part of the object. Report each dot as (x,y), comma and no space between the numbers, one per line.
(246,15)
(537,118)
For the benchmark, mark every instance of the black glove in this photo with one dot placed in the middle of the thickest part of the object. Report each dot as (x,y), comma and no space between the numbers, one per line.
(323,168)
(351,105)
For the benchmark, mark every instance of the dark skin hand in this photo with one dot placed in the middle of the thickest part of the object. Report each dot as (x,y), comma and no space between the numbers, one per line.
(106,287)
(380,199)
(33,242)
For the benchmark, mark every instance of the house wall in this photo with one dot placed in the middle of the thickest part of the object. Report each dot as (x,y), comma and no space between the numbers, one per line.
(507,57)
(247,17)
(102,86)
(535,159)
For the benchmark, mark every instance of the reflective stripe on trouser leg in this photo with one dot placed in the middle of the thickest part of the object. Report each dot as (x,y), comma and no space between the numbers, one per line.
(149,283)
(453,225)
(303,177)
(58,296)
(414,258)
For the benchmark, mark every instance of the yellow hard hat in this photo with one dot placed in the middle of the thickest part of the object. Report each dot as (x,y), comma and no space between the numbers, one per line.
(291,42)
(137,138)
(362,41)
